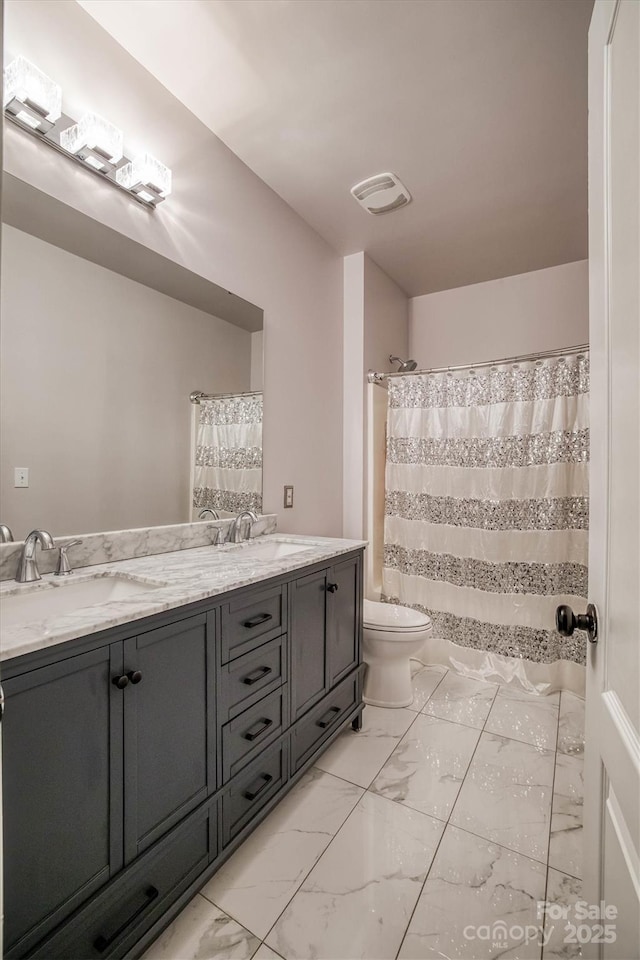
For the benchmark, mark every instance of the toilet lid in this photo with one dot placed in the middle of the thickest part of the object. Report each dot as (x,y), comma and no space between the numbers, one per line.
(390,617)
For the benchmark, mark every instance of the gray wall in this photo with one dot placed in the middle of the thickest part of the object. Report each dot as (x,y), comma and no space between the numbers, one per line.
(375,325)
(95,381)
(531,312)
(222,222)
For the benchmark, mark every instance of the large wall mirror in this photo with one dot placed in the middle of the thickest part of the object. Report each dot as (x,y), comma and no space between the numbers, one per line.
(102,344)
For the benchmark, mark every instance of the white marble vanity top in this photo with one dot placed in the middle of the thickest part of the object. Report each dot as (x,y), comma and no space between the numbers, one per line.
(178,578)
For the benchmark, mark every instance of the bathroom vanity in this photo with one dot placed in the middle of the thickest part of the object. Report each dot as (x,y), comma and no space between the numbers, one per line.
(145,737)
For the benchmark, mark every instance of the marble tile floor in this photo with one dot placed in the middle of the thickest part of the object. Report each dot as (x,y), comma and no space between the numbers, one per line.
(432,833)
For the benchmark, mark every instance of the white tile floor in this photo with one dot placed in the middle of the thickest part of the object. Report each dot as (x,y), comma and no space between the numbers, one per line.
(409,838)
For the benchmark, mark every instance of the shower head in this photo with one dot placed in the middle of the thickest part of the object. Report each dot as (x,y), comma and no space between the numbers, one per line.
(405,365)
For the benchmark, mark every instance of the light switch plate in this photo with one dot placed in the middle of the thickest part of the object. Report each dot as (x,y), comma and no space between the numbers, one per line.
(21,477)
(288,496)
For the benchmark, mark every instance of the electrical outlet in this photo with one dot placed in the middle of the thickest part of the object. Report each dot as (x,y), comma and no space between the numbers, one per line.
(21,477)
(288,496)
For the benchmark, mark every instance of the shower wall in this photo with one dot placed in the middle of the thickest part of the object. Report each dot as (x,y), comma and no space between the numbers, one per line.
(528,313)
(375,325)
(375,487)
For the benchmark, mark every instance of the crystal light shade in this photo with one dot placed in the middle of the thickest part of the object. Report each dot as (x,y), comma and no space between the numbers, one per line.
(28,87)
(33,101)
(96,134)
(146,171)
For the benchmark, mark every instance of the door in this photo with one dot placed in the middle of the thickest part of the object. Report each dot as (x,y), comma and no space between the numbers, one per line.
(62,731)
(169,724)
(308,638)
(612,758)
(344,627)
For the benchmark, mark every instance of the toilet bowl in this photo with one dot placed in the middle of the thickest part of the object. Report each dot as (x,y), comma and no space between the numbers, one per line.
(391,636)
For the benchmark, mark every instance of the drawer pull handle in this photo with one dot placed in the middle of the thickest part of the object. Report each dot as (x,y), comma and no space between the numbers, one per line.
(251,793)
(258,674)
(258,729)
(101,943)
(332,587)
(120,682)
(329,717)
(134,676)
(256,621)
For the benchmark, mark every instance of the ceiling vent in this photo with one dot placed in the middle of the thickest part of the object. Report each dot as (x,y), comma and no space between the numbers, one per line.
(381,194)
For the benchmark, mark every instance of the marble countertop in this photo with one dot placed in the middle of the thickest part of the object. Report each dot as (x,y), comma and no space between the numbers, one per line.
(178,578)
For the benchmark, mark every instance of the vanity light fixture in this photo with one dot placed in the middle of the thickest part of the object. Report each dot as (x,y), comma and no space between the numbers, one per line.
(146,177)
(94,140)
(33,101)
(31,96)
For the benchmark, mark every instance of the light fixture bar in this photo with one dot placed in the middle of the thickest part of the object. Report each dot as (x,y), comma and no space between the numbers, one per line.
(110,178)
(33,101)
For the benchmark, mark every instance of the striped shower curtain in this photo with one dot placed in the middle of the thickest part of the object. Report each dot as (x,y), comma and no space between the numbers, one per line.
(228,463)
(486,505)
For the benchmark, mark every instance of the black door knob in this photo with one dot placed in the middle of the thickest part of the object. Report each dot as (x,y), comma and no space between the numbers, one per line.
(135,676)
(332,587)
(120,682)
(567,622)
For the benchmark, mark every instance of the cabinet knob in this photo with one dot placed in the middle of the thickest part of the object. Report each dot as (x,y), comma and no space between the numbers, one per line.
(258,729)
(256,621)
(135,676)
(332,587)
(331,715)
(254,791)
(258,674)
(120,682)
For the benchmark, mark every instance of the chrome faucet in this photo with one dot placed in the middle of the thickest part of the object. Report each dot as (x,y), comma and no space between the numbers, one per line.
(235,534)
(5,534)
(217,536)
(27,568)
(64,568)
(203,513)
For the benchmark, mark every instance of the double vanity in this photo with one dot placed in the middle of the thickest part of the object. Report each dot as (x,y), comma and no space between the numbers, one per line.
(156,709)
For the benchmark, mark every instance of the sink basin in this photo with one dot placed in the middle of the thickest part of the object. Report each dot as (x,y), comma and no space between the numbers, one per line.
(274,549)
(38,603)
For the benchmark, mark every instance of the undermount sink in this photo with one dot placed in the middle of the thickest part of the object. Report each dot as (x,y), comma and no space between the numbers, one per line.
(39,602)
(274,549)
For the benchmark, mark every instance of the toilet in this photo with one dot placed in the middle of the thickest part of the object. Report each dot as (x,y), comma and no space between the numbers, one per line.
(391,636)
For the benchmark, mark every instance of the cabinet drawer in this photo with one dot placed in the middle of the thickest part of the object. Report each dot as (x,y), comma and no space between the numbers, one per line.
(244,737)
(309,732)
(251,677)
(249,622)
(250,791)
(114,920)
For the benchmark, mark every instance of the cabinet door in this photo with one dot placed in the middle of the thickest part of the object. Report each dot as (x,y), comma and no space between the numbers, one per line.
(344,627)
(308,631)
(62,783)
(169,721)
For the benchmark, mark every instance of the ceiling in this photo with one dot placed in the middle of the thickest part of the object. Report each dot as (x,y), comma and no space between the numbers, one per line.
(479,106)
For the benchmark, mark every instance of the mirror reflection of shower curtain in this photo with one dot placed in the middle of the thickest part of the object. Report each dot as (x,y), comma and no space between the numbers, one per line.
(228,458)
(486,503)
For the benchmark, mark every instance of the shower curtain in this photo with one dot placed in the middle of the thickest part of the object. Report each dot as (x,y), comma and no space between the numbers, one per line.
(228,461)
(486,503)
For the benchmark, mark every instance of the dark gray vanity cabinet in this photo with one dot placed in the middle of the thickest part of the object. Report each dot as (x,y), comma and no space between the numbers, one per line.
(309,636)
(325,631)
(62,789)
(169,728)
(135,761)
(345,608)
(102,754)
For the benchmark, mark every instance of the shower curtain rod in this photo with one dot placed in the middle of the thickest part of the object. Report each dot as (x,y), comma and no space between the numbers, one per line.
(198,395)
(374,377)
